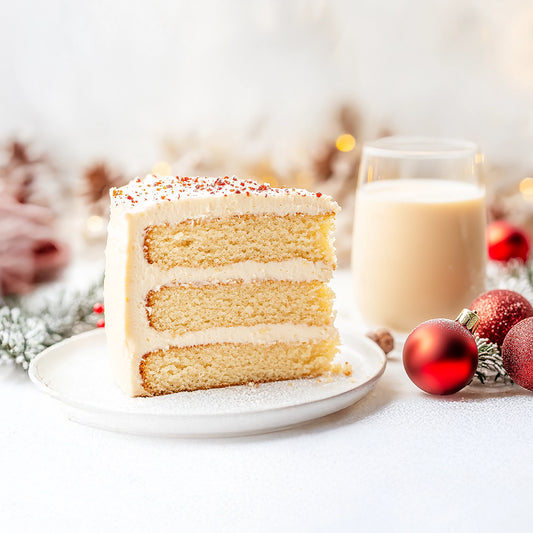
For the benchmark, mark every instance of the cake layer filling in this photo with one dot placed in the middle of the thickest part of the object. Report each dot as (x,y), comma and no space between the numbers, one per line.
(179,309)
(146,276)
(218,365)
(209,242)
(152,340)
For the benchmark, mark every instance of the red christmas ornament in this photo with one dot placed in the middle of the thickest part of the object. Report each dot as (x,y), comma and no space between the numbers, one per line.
(98,308)
(517,353)
(100,323)
(506,241)
(499,310)
(440,356)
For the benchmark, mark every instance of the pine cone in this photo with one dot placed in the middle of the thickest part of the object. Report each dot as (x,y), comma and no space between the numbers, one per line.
(25,176)
(99,178)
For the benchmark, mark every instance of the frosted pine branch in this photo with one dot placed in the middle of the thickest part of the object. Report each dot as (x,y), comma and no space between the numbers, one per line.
(26,330)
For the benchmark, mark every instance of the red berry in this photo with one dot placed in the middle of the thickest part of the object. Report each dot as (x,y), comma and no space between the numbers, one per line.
(100,323)
(98,308)
(506,242)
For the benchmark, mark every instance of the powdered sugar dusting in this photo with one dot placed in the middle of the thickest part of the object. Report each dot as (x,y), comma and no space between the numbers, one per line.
(77,373)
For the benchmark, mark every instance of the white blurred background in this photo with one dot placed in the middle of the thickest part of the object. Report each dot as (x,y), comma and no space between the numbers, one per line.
(118,79)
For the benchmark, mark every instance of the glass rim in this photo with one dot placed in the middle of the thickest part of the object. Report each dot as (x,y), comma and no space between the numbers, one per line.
(413,147)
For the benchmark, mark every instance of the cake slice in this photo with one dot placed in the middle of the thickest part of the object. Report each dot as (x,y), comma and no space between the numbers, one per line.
(212,282)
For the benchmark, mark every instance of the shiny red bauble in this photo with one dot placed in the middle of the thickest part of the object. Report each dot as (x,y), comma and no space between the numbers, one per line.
(517,353)
(506,242)
(499,310)
(440,356)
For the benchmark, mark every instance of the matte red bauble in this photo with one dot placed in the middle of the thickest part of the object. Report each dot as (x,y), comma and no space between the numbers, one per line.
(517,353)
(499,310)
(440,356)
(505,241)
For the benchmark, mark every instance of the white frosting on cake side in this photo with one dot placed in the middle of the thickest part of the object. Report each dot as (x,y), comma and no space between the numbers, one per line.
(129,277)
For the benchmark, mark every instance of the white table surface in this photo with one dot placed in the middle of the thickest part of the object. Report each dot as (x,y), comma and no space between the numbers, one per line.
(399,460)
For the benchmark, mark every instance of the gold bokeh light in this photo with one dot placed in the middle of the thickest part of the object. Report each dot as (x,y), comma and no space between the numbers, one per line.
(526,188)
(345,142)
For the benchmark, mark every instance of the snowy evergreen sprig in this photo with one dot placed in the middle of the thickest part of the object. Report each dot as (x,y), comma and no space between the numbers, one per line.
(511,276)
(27,328)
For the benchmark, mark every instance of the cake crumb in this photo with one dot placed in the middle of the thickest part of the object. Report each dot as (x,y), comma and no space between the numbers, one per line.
(347,369)
(336,368)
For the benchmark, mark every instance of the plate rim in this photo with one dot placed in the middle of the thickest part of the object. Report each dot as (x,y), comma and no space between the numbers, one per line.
(38,381)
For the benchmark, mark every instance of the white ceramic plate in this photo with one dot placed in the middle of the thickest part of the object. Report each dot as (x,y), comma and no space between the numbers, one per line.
(77,373)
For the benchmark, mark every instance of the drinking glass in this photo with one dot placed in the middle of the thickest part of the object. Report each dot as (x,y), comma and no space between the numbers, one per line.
(419,230)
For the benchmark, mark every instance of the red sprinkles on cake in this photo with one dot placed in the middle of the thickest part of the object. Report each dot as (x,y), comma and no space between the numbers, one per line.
(156,188)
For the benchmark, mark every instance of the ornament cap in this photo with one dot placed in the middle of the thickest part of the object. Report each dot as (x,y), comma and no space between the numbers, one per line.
(468,319)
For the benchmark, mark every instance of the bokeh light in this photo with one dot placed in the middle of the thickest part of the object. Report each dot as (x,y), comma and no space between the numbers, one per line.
(345,142)
(526,188)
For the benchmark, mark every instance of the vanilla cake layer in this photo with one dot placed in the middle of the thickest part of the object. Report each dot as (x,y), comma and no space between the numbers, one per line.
(167,202)
(211,242)
(181,308)
(219,365)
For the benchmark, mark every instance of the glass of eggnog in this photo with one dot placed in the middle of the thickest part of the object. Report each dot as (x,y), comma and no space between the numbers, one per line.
(419,230)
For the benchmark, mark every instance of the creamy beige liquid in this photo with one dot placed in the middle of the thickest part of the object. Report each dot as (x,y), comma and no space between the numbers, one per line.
(418,250)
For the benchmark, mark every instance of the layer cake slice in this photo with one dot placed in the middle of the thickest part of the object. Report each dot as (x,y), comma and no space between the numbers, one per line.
(212,282)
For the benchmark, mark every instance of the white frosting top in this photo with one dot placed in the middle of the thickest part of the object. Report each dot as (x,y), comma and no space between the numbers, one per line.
(199,197)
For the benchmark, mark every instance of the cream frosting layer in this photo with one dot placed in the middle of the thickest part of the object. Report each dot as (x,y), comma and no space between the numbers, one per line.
(152,277)
(168,199)
(129,277)
(259,334)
